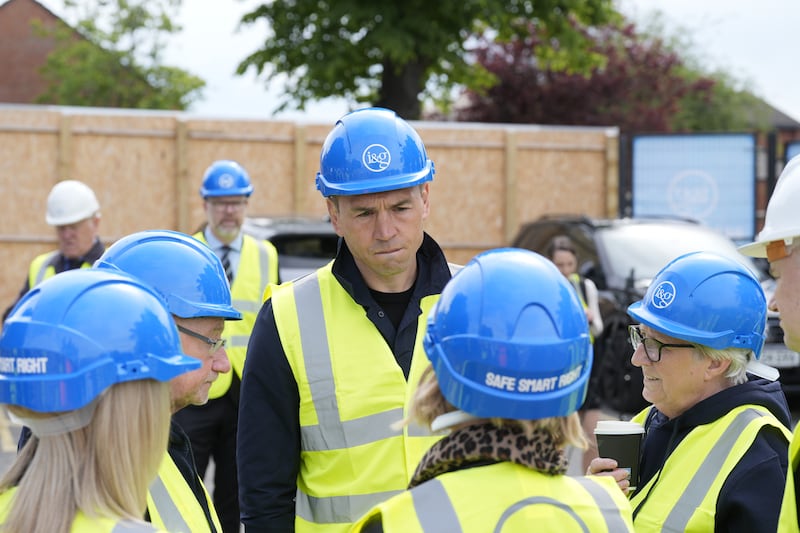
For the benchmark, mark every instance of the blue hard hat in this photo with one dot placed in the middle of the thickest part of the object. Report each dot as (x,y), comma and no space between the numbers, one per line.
(74,335)
(706,299)
(508,338)
(372,150)
(185,271)
(226,178)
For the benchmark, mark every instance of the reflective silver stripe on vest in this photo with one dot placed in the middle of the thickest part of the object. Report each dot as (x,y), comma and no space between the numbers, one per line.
(331,433)
(610,510)
(541,500)
(128,526)
(705,476)
(248,306)
(238,340)
(338,509)
(434,508)
(43,268)
(415,430)
(167,510)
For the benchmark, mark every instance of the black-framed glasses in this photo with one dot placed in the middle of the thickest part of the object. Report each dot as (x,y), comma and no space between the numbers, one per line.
(215,344)
(652,347)
(222,206)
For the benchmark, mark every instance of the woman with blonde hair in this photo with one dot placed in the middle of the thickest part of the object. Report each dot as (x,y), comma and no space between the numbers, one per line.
(84,362)
(510,352)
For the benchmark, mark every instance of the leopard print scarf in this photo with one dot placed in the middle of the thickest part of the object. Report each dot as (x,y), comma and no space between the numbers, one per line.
(485,443)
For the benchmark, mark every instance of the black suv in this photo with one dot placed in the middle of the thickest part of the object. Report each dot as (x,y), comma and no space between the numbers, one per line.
(621,256)
(304,243)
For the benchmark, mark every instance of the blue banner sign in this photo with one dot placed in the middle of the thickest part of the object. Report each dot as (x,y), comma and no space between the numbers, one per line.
(704,177)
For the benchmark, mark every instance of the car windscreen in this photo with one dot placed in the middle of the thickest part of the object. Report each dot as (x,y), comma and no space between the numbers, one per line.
(644,249)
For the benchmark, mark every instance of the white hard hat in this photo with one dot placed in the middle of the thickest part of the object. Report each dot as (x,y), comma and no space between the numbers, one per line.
(781,221)
(70,201)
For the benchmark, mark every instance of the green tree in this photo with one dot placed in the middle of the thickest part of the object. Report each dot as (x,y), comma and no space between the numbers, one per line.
(395,54)
(113,57)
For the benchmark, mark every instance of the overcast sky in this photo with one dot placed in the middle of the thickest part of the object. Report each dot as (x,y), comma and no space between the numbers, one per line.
(752,40)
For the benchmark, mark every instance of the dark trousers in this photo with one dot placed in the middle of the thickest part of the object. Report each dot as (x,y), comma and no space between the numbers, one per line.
(212,431)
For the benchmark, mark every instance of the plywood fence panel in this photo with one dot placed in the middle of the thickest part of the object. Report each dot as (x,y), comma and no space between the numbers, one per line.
(146,168)
(28,165)
(468,190)
(129,161)
(559,172)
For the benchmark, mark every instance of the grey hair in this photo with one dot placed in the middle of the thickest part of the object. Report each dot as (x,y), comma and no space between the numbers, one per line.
(739,357)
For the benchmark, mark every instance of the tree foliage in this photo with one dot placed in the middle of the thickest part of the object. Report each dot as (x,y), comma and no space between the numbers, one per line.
(113,57)
(645,85)
(394,54)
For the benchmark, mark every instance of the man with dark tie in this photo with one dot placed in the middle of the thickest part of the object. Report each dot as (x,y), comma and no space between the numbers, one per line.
(73,210)
(250,265)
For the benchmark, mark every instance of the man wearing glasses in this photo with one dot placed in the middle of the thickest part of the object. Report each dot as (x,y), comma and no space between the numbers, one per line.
(192,281)
(714,454)
(250,265)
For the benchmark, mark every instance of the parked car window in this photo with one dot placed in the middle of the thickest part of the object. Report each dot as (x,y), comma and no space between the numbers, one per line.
(304,243)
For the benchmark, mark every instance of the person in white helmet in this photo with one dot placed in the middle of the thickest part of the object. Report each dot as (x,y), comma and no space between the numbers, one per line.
(72,208)
(779,243)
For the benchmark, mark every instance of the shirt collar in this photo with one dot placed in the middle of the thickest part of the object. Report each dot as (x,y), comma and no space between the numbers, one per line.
(215,244)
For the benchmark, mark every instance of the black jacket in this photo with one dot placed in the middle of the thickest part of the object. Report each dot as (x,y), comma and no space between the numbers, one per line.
(750,498)
(180,450)
(268,442)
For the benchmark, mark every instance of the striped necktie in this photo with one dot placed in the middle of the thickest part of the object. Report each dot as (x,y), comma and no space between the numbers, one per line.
(226,263)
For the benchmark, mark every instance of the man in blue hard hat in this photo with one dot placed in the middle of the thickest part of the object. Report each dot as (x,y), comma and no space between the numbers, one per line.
(334,355)
(192,280)
(250,265)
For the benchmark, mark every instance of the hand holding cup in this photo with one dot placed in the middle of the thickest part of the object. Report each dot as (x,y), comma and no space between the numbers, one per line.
(620,440)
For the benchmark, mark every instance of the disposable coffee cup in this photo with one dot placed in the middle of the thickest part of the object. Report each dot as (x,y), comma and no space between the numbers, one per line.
(621,441)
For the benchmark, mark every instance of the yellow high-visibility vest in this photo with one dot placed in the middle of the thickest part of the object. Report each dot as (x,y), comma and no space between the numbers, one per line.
(258,267)
(684,498)
(788,519)
(506,497)
(40,269)
(85,524)
(173,505)
(352,391)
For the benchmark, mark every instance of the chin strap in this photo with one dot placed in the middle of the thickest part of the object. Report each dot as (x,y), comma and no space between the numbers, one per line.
(443,423)
(763,371)
(60,423)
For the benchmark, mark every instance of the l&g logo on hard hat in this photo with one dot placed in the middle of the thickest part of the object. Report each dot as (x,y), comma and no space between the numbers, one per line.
(376,157)
(226,181)
(663,295)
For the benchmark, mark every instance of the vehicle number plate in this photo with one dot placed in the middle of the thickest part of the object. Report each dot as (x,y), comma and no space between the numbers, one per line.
(779,356)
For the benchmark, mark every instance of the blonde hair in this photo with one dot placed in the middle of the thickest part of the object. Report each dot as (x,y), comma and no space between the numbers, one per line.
(428,403)
(103,469)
